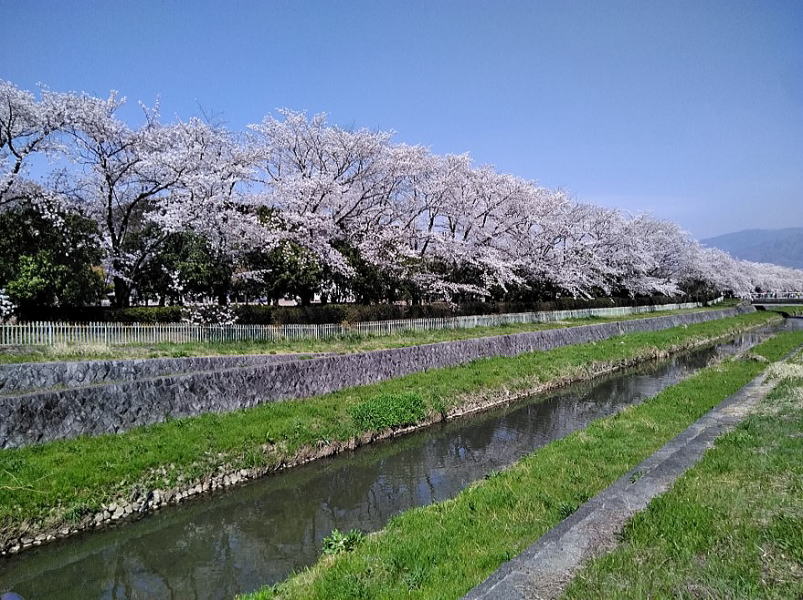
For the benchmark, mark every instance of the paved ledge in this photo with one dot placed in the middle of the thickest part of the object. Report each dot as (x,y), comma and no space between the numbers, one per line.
(545,568)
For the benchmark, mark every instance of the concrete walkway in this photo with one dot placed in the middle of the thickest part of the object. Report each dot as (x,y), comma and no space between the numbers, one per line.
(545,568)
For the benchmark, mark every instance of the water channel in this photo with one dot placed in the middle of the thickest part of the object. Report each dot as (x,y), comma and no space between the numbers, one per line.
(241,539)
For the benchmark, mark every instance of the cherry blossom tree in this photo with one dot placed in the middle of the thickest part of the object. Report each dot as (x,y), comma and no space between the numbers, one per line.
(350,208)
(27,127)
(176,177)
(328,185)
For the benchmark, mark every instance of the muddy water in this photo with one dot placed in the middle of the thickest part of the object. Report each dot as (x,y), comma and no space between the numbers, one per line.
(239,540)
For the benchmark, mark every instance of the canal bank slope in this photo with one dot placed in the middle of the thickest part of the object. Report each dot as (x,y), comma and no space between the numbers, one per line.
(545,568)
(445,549)
(731,526)
(57,489)
(54,414)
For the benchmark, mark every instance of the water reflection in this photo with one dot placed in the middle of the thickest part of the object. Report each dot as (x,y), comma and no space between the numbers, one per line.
(241,539)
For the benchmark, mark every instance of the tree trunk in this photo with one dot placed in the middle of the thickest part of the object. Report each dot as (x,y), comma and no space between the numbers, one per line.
(122,293)
(306,297)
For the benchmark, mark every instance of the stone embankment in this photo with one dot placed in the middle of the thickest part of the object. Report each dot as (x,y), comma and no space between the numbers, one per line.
(114,407)
(28,377)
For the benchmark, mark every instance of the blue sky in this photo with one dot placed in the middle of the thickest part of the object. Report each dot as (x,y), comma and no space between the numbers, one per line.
(690,110)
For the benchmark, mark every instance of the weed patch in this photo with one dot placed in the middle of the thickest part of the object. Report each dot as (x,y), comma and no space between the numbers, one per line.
(337,542)
(389,410)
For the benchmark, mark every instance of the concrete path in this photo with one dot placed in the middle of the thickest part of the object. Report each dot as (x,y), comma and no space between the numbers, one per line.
(545,568)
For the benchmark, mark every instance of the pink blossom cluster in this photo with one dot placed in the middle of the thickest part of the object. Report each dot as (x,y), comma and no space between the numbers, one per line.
(440,222)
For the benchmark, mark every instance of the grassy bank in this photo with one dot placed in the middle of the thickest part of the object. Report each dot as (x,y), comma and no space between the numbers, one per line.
(792,310)
(351,343)
(732,527)
(443,550)
(64,483)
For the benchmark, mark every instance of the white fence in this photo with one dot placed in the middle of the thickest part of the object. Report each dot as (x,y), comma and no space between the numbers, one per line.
(50,333)
(777,297)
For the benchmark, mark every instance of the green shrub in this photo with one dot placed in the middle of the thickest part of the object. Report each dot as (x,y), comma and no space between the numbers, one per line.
(254,314)
(137,314)
(389,410)
(258,314)
(337,541)
(315,314)
(146,314)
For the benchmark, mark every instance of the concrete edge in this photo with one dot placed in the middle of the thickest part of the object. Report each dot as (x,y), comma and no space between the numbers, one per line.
(545,568)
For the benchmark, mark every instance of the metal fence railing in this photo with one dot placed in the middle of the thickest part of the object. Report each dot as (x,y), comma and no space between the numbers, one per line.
(45,333)
(777,297)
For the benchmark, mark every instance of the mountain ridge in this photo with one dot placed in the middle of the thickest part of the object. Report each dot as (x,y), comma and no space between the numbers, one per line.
(779,246)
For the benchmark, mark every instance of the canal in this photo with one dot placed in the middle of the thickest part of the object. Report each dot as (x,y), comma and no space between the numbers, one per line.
(256,534)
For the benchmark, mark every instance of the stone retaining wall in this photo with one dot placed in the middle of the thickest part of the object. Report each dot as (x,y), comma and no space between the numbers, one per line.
(45,416)
(25,377)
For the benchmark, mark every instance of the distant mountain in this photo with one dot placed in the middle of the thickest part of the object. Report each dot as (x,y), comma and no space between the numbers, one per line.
(779,246)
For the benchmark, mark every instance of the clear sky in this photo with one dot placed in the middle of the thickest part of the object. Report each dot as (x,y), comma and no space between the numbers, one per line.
(690,110)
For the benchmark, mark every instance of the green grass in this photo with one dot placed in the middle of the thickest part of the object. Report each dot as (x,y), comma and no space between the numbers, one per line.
(389,410)
(796,310)
(350,343)
(68,479)
(443,550)
(731,527)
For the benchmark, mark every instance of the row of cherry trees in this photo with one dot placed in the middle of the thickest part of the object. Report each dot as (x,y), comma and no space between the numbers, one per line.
(342,205)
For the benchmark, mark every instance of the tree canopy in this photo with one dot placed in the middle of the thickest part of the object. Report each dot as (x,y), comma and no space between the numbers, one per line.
(295,206)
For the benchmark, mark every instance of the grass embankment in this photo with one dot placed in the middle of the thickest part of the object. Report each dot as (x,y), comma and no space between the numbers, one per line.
(792,311)
(67,481)
(443,550)
(343,344)
(731,527)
